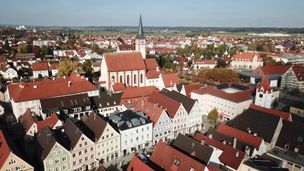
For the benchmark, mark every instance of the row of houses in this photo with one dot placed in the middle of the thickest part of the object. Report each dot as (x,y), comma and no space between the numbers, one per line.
(248,142)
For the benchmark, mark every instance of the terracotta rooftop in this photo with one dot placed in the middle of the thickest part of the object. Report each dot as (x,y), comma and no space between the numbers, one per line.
(234,97)
(136,92)
(286,116)
(49,88)
(4,149)
(124,61)
(174,160)
(170,79)
(240,135)
(171,106)
(246,56)
(42,66)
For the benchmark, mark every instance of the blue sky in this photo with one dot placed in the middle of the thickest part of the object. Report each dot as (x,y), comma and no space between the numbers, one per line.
(205,13)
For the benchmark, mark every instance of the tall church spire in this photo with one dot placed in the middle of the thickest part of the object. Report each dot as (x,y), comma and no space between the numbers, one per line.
(140,33)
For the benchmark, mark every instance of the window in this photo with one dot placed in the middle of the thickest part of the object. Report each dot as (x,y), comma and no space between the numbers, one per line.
(79,153)
(128,79)
(80,160)
(120,78)
(141,78)
(134,79)
(74,163)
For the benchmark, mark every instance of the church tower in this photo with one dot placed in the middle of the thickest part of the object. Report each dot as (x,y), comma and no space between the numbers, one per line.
(140,41)
(264,94)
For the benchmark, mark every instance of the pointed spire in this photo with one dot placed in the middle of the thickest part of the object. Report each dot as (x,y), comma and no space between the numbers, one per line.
(265,84)
(140,33)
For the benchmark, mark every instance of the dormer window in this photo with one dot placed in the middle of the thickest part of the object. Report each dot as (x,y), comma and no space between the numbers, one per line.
(176,162)
(286,146)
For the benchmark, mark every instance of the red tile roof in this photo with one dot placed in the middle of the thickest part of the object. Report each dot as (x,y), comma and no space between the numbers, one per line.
(4,150)
(137,164)
(174,159)
(150,109)
(126,61)
(264,85)
(136,92)
(119,87)
(125,47)
(286,116)
(152,74)
(49,122)
(228,155)
(299,72)
(246,56)
(190,88)
(151,64)
(40,66)
(171,106)
(27,120)
(272,69)
(170,79)
(240,135)
(234,97)
(54,66)
(49,88)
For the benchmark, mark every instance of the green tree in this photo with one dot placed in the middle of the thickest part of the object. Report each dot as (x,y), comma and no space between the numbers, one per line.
(213,115)
(25,48)
(87,67)
(65,68)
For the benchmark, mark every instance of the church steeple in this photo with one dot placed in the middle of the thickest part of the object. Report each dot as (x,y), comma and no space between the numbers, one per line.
(140,41)
(140,33)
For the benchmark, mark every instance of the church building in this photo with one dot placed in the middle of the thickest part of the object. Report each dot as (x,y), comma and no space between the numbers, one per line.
(131,68)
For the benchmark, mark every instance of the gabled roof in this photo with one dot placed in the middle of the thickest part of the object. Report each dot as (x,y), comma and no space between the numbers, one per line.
(171,106)
(299,72)
(42,66)
(291,136)
(257,121)
(137,92)
(240,135)
(193,148)
(152,74)
(4,149)
(72,131)
(124,61)
(136,164)
(49,88)
(234,97)
(174,159)
(48,122)
(65,102)
(152,110)
(46,139)
(230,156)
(151,64)
(190,88)
(187,102)
(105,100)
(286,116)
(96,124)
(246,56)
(27,120)
(264,85)
(117,87)
(273,69)
(170,79)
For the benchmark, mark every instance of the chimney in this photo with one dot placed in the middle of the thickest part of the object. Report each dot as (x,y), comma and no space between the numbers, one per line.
(210,136)
(255,134)
(234,142)
(237,154)
(202,142)
(249,130)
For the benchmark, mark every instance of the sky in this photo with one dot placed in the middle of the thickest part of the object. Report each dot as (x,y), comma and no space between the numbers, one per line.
(198,13)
